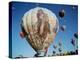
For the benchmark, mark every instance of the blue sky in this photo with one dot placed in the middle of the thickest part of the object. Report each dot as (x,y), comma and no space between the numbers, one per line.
(21,46)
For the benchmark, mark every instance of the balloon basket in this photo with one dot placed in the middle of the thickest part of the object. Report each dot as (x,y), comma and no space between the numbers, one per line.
(40,54)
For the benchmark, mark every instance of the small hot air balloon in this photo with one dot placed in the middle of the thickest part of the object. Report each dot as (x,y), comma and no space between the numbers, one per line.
(63,27)
(62,13)
(54,46)
(54,52)
(39,26)
(76,51)
(73,42)
(60,43)
(59,49)
(76,35)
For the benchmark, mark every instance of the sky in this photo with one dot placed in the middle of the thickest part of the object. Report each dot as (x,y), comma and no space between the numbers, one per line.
(20,46)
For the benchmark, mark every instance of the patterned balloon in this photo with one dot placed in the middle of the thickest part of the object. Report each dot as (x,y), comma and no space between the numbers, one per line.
(39,26)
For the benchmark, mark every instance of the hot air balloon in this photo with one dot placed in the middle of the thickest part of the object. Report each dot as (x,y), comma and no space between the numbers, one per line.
(73,42)
(76,51)
(63,27)
(76,35)
(60,49)
(54,52)
(39,27)
(54,46)
(60,43)
(62,13)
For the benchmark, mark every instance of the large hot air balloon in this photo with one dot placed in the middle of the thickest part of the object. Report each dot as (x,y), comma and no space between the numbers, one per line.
(39,27)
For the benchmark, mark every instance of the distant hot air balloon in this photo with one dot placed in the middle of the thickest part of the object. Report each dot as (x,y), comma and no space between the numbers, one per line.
(76,35)
(60,43)
(62,13)
(60,49)
(76,51)
(63,27)
(39,27)
(54,46)
(73,42)
(54,52)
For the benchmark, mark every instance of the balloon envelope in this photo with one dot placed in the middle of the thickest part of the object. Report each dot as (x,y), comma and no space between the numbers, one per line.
(41,26)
